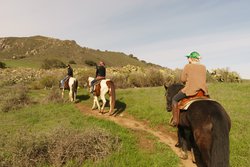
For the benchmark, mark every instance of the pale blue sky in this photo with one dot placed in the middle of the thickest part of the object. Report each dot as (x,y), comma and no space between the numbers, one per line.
(157,31)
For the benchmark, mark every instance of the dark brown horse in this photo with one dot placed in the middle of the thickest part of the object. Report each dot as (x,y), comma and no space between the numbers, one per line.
(208,125)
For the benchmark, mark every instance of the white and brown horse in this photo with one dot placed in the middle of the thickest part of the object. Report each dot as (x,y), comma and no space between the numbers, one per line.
(72,87)
(101,89)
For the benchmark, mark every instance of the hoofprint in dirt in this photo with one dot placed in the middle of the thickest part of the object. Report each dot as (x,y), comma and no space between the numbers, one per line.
(129,122)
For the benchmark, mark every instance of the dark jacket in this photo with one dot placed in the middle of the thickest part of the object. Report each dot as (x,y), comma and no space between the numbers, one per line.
(100,72)
(70,72)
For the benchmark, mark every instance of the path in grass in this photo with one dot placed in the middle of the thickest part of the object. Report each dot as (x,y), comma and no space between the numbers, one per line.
(129,122)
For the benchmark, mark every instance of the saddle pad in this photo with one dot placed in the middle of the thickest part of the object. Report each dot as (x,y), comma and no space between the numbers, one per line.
(186,105)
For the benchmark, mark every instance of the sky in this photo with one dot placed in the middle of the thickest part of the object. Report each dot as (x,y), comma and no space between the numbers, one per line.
(162,32)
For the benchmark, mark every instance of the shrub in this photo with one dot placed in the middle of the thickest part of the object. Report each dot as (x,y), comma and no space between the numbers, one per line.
(59,147)
(54,96)
(52,63)
(72,62)
(2,65)
(90,63)
(49,81)
(83,76)
(15,98)
(120,80)
(137,79)
(224,75)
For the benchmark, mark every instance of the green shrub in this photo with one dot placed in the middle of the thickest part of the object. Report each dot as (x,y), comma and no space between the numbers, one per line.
(137,79)
(52,63)
(2,65)
(72,62)
(16,97)
(225,75)
(49,81)
(83,76)
(120,80)
(54,96)
(90,63)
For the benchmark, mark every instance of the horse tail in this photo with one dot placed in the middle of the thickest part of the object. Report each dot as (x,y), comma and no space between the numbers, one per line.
(220,138)
(112,97)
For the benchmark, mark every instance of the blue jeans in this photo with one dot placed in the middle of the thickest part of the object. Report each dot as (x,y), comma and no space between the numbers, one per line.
(179,96)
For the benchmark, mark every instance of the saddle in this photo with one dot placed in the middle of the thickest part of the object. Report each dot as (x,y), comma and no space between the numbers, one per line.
(186,102)
(97,87)
(65,84)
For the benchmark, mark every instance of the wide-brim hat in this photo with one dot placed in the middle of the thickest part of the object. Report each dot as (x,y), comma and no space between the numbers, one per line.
(194,55)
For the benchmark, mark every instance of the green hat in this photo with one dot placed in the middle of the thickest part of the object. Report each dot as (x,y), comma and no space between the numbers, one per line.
(194,55)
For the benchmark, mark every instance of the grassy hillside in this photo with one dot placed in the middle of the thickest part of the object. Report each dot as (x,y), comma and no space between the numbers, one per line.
(145,104)
(31,51)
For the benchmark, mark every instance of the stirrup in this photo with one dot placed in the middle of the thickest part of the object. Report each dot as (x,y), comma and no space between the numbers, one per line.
(171,122)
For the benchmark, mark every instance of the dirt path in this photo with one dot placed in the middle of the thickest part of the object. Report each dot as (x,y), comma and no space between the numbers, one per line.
(129,122)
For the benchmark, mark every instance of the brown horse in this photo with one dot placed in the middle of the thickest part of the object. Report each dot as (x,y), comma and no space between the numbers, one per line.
(208,125)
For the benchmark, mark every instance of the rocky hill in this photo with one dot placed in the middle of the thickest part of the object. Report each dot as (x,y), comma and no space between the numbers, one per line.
(35,49)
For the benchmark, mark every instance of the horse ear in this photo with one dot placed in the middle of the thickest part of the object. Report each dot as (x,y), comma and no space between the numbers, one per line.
(165,86)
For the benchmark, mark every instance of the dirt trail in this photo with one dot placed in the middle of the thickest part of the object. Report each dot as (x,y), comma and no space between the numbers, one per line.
(129,122)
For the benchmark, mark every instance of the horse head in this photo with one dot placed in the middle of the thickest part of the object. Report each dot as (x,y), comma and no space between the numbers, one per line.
(170,91)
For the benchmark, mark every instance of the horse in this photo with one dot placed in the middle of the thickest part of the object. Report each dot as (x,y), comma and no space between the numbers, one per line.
(209,126)
(101,89)
(72,87)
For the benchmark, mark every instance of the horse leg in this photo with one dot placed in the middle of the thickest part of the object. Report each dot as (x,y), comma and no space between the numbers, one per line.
(96,102)
(62,92)
(203,139)
(103,102)
(182,137)
(70,95)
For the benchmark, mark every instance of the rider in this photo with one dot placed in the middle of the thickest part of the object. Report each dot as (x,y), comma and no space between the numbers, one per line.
(194,77)
(69,74)
(100,74)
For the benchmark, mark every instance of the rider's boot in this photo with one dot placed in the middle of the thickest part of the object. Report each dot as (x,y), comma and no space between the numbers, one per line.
(175,112)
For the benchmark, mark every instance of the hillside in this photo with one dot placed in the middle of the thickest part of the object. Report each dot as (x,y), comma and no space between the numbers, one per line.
(31,51)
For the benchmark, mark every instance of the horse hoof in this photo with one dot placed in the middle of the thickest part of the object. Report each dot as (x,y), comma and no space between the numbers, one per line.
(183,155)
(177,145)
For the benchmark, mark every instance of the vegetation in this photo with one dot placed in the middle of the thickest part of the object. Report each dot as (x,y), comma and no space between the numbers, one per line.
(52,63)
(2,65)
(58,134)
(148,104)
(39,128)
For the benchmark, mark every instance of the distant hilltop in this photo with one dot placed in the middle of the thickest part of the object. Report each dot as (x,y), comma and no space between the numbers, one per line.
(38,48)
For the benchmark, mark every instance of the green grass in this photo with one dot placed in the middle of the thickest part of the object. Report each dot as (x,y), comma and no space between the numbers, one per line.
(147,104)
(44,118)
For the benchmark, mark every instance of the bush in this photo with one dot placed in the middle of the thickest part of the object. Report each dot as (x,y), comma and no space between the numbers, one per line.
(224,75)
(49,81)
(59,147)
(90,63)
(54,96)
(72,62)
(52,63)
(16,97)
(83,77)
(2,65)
